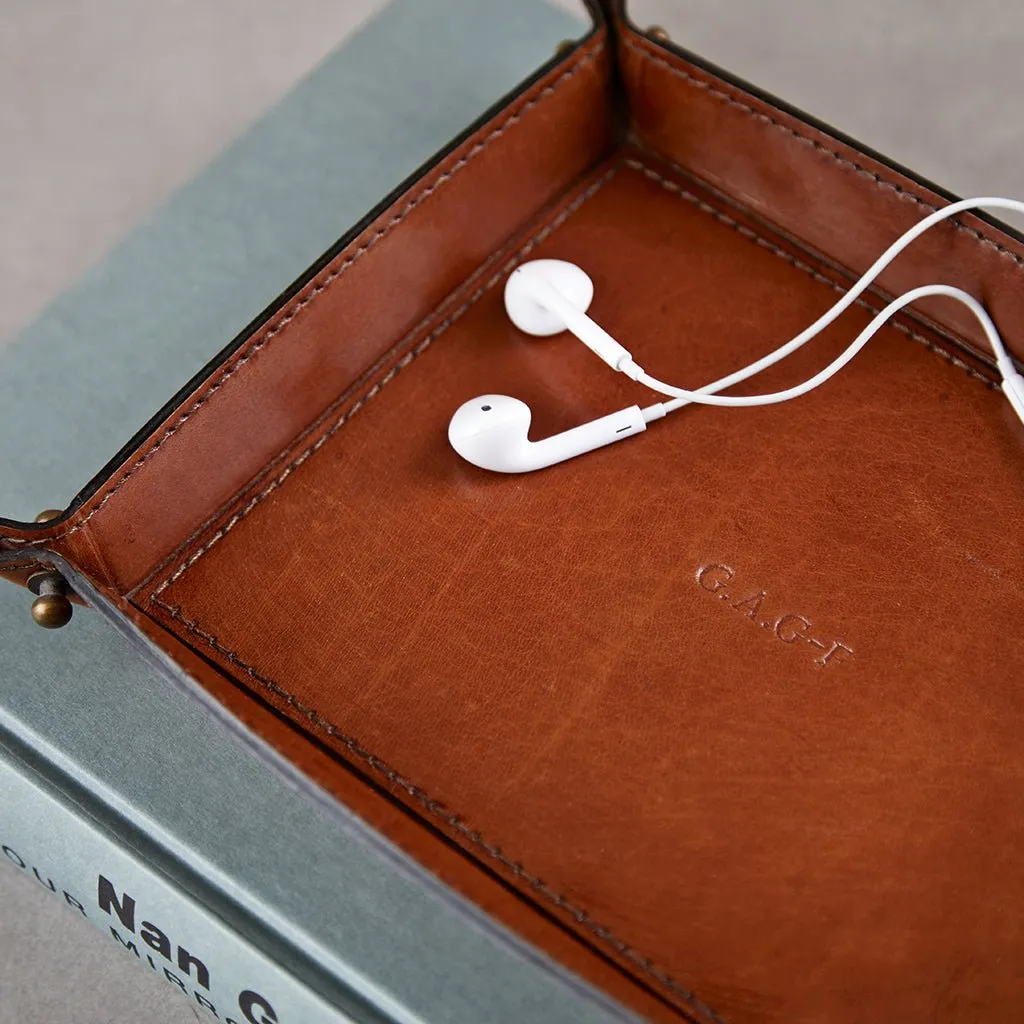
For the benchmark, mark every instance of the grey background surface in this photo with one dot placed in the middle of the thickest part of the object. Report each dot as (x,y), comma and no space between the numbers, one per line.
(111,347)
(105,109)
(933,84)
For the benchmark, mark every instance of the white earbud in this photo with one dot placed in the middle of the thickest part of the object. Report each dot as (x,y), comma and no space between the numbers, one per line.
(491,432)
(524,302)
(545,297)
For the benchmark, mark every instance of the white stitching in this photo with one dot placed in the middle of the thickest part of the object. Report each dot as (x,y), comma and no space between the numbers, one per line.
(764,243)
(409,356)
(759,115)
(405,360)
(435,808)
(419,795)
(268,332)
(5,567)
(440,811)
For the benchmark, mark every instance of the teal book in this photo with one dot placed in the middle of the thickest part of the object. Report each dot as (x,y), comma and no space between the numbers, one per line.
(164,829)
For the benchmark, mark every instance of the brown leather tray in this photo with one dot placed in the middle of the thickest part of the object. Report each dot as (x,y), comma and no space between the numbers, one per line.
(725,717)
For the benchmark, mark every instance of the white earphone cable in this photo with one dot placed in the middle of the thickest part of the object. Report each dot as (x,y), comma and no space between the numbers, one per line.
(543,297)
(706,397)
(707,394)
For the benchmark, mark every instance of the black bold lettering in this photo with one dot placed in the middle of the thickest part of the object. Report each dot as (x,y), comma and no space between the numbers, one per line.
(107,897)
(185,962)
(250,1003)
(155,939)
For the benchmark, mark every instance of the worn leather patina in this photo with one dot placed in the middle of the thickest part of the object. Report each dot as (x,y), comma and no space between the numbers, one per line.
(726,717)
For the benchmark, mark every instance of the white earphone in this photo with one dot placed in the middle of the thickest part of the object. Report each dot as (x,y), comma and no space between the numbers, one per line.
(542,298)
(490,432)
(545,297)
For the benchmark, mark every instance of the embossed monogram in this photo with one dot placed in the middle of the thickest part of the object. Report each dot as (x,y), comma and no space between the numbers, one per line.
(789,627)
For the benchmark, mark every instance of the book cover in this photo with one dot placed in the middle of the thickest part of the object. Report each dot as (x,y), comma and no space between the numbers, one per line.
(122,794)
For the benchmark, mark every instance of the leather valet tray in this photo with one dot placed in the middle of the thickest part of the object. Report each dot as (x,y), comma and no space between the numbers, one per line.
(726,718)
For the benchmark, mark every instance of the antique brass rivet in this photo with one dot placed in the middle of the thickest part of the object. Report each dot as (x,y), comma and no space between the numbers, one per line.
(51,609)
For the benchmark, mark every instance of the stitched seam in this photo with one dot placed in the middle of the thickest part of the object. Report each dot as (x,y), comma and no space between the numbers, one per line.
(453,821)
(759,115)
(665,183)
(271,332)
(580,916)
(402,363)
(4,567)
(420,796)
(798,264)
(312,428)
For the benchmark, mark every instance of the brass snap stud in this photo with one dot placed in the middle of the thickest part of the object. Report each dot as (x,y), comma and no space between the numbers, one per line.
(51,609)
